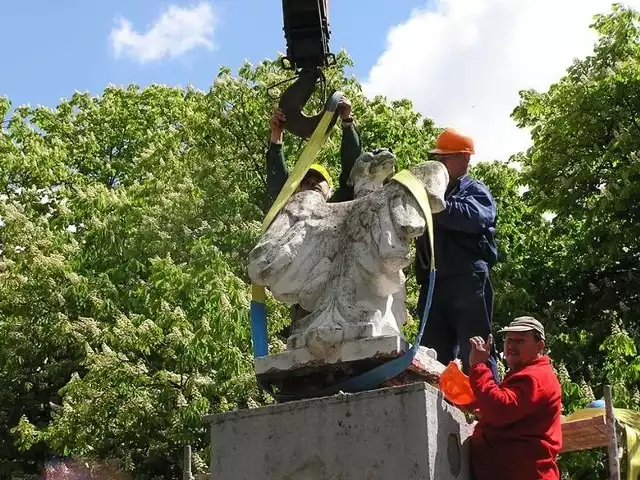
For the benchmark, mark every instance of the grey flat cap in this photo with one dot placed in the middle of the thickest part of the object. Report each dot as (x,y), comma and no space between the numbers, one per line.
(524,324)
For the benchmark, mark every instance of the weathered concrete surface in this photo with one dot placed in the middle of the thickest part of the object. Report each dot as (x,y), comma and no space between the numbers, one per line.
(345,352)
(406,432)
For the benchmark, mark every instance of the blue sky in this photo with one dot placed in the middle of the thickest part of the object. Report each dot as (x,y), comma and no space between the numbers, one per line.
(461,62)
(61,46)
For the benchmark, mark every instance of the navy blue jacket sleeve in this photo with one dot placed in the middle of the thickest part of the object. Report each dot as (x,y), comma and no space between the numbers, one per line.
(470,211)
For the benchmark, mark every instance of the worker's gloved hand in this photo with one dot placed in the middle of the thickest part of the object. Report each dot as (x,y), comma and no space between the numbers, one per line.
(276,122)
(344,109)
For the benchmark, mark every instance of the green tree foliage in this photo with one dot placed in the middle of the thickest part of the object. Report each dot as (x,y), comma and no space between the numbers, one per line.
(584,167)
(126,220)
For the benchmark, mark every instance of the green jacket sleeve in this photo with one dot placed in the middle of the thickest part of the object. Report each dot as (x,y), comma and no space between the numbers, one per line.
(277,172)
(350,150)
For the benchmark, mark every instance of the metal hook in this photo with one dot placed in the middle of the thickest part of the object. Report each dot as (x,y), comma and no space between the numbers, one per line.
(294,99)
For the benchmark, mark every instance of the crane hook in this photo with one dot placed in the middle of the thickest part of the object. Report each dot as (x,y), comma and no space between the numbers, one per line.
(306,29)
(295,98)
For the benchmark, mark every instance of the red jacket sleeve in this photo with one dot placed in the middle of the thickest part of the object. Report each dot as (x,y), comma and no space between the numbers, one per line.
(503,404)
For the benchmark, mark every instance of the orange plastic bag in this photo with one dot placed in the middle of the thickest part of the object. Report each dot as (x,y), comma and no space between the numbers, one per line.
(455,386)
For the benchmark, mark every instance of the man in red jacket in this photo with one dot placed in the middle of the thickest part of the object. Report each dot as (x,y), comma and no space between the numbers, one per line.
(519,432)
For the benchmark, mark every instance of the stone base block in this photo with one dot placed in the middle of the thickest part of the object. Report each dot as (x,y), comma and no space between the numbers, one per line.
(296,375)
(361,330)
(424,368)
(376,347)
(407,432)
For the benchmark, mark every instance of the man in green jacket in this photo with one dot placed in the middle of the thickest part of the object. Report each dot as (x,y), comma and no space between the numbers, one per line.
(317,177)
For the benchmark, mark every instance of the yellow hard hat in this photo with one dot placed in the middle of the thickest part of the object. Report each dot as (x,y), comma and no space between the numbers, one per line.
(322,171)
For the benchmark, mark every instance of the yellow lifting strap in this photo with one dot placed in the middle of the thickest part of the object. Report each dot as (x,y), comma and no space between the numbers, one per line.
(301,168)
(416,187)
(308,156)
(404,177)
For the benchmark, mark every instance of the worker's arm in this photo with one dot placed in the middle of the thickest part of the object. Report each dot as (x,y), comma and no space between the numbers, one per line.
(473,211)
(350,150)
(277,172)
(503,405)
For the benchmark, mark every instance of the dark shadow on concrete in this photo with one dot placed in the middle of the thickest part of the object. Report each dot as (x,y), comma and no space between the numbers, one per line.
(453,456)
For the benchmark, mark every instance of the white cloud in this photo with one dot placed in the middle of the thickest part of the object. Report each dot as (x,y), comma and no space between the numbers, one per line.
(174,33)
(463,62)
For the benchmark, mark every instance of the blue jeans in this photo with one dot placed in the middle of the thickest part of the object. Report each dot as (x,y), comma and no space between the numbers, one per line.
(462,307)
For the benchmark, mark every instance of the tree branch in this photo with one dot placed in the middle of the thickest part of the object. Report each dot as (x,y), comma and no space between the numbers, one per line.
(241,139)
(631,113)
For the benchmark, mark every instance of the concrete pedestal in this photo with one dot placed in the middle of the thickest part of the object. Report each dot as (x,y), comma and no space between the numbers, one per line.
(406,432)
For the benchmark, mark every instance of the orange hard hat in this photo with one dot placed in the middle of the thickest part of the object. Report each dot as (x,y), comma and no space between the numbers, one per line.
(452,141)
(455,386)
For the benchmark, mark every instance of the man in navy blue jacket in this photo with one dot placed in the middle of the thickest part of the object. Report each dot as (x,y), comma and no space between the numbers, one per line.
(465,250)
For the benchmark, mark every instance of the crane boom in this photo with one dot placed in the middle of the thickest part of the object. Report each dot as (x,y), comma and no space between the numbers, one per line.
(306,31)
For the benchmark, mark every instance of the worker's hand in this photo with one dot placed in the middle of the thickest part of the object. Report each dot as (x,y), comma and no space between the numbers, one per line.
(480,350)
(344,108)
(276,122)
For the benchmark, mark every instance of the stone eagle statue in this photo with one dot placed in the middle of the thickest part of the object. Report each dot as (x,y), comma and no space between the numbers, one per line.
(343,261)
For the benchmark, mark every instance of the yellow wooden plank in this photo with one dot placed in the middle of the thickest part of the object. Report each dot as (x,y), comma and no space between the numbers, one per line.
(584,434)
